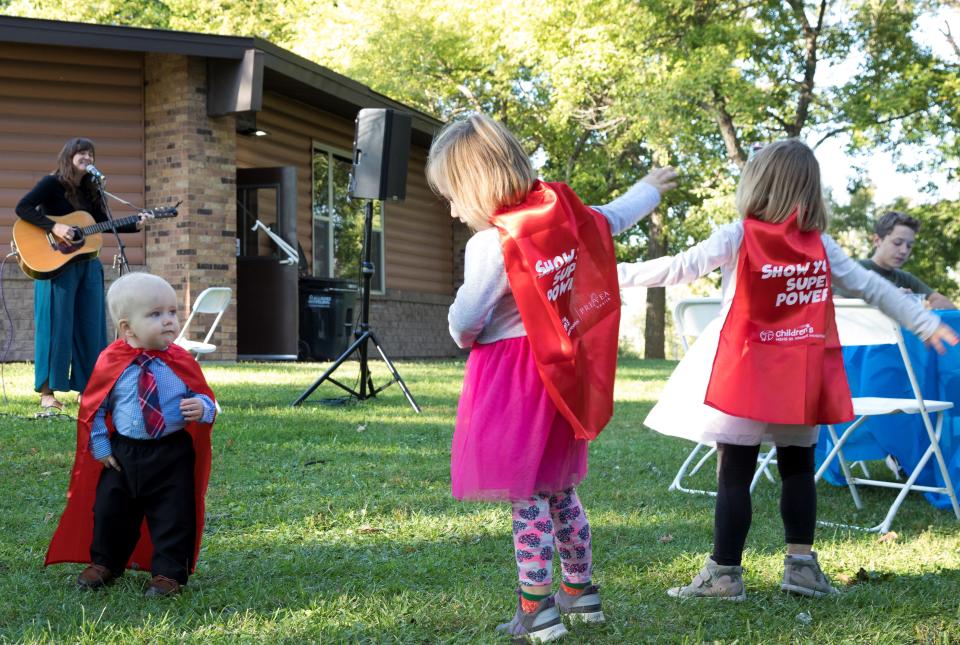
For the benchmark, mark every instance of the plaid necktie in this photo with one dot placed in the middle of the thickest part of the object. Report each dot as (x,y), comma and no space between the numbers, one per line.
(149,400)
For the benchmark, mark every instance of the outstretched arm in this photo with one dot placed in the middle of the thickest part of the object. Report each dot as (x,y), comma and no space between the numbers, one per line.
(718,249)
(638,202)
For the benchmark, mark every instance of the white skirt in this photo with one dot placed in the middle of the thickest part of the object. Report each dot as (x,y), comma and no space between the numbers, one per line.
(681,412)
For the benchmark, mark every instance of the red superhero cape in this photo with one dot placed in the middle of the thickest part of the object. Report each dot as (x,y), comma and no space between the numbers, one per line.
(71,541)
(560,263)
(779,359)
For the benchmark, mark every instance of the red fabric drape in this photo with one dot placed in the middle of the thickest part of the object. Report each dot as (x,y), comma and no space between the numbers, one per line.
(560,263)
(779,359)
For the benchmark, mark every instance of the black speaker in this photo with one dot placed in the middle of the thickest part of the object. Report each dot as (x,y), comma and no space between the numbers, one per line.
(381,146)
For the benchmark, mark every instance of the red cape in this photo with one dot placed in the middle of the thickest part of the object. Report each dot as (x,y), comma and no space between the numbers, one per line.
(563,273)
(71,541)
(779,359)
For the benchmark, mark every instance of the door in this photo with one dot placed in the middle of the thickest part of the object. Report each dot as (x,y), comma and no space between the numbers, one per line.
(267,305)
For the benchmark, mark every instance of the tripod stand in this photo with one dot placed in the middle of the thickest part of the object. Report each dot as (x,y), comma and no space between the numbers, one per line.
(363,334)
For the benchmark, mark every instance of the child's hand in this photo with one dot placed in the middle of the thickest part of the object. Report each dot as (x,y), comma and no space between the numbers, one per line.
(110,462)
(663,179)
(943,334)
(191,409)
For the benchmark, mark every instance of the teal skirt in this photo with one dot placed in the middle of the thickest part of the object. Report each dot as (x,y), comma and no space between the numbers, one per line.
(69,314)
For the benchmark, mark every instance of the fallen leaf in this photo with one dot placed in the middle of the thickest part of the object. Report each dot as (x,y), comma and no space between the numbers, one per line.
(48,517)
(361,427)
(666,537)
(844,578)
(804,617)
(366,528)
(890,536)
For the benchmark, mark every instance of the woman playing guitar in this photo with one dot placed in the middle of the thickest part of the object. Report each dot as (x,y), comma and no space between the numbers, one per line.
(69,310)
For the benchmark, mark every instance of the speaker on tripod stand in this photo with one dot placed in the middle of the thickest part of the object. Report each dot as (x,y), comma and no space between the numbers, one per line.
(381,147)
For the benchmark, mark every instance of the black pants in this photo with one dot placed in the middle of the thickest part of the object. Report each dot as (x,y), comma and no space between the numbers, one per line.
(156,483)
(798,498)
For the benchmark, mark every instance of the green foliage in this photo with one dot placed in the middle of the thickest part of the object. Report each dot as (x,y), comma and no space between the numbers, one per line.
(602,90)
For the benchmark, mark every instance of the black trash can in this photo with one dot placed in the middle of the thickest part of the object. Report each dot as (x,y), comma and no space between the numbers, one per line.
(327,307)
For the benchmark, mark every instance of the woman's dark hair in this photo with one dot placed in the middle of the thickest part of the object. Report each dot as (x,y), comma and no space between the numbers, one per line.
(68,174)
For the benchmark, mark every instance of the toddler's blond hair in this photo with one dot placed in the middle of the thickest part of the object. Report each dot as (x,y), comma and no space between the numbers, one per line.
(779,179)
(478,165)
(131,292)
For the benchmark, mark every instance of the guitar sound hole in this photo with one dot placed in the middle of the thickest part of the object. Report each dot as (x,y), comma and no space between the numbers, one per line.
(68,247)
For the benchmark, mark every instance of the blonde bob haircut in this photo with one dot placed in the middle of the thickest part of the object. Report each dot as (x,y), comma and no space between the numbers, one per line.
(779,179)
(480,167)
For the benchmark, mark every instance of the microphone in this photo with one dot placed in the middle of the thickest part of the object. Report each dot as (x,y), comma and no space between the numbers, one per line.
(96,173)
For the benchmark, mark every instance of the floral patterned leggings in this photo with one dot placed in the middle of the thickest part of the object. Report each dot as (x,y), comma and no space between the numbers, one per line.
(537,521)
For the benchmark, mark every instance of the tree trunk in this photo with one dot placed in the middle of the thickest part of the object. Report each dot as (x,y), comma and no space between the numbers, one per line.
(653,334)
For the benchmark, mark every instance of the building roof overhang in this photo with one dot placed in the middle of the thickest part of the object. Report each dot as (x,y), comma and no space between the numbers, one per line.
(284,71)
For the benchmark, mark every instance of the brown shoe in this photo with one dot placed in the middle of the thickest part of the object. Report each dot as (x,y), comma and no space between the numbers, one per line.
(94,577)
(162,586)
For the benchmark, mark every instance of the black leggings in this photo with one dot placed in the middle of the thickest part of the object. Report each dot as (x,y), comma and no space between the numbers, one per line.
(798,498)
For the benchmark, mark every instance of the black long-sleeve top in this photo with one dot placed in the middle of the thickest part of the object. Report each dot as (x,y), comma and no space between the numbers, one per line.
(49,197)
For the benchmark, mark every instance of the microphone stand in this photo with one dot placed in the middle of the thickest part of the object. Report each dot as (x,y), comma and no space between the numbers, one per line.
(120,260)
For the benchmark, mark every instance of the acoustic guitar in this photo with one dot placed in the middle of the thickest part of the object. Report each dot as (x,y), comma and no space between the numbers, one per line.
(43,255)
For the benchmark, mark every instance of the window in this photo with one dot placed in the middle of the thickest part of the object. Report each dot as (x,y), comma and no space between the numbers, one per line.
(338,222)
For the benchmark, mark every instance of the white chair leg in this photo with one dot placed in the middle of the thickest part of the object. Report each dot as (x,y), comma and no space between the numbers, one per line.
(884,526)
(682,472)
(838,453)
(703,460)
(863,467)
(941,463)
(762,468)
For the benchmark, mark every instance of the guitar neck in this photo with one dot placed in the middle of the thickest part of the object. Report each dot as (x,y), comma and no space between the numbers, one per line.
(100,227)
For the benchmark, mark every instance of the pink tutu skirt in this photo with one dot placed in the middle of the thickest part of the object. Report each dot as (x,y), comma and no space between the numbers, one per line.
(510,441)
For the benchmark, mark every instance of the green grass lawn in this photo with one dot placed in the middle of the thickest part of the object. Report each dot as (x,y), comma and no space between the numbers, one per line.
(335,524)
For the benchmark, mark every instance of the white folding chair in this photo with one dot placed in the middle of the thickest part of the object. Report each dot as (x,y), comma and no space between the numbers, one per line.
(214,301)
(690,317)
(860,324)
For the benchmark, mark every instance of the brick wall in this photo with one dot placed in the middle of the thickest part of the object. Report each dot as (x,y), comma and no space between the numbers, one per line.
(411,324)
(191,156)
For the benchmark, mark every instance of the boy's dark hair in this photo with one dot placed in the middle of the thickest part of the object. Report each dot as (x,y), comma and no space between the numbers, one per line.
(891,219)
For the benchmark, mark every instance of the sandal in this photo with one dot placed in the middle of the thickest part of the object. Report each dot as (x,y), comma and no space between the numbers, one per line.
(50,402)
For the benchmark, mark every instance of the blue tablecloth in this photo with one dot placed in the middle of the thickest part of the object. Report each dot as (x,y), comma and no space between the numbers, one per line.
(877,370)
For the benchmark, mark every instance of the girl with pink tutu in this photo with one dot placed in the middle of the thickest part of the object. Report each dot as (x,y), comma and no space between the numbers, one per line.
(539,308)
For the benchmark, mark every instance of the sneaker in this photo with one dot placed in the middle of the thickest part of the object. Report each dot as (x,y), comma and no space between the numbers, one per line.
(713,581)
(584,607)
(541,626)
(803,576)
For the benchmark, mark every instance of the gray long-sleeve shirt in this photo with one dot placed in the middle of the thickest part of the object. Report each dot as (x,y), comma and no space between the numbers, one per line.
(484,310)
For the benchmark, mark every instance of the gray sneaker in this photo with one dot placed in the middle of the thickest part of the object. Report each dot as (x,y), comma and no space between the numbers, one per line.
(803,576)
(713,581)
(584,607)
(541,626)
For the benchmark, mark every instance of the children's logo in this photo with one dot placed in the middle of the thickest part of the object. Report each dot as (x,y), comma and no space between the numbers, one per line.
(803,332)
